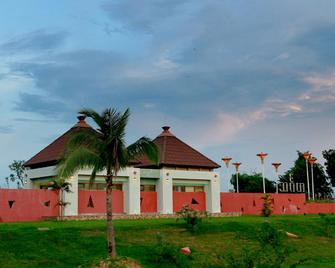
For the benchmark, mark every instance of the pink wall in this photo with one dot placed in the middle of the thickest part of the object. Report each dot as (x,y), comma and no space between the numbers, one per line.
(94,202)
(181,199)
(148,202)
(33,205)
(314,208)
(252,203)
(28,205)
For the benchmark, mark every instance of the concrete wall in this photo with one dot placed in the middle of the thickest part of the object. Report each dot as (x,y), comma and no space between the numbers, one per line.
(148,202)
(252,203)
(33,205)
(94,202)
(27,205)
(196,201)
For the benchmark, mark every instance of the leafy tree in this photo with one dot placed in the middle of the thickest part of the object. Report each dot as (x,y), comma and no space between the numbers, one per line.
(18,169)
(7,181)
(329,156)
(322,187)
(252,183)
(104,149)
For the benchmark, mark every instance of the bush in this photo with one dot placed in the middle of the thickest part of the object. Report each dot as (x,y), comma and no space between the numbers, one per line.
(271,251)
(328,225)
(267,205)
(165,253)
(191,217)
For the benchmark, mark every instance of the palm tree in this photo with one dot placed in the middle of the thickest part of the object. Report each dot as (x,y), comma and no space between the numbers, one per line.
(61,186)
(104,149)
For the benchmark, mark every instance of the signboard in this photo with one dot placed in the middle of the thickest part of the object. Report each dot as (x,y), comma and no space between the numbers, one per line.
(291,187)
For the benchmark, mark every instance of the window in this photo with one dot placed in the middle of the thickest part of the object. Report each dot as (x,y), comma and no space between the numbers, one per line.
(188,189)
(97,186)
(148,188)
(199,188)
(178,188)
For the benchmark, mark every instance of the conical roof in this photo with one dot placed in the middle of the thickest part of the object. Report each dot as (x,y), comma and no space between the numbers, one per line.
(54,151)
(176,153)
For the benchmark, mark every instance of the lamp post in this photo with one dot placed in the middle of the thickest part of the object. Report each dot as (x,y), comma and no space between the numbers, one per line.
(276,166)
(307,156)
(237,165)
(312,161)
(262,157)
(226,160)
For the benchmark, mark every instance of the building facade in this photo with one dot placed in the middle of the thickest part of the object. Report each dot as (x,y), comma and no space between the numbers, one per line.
(183,176)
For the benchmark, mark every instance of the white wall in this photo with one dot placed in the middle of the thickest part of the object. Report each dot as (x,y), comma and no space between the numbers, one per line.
(132,177)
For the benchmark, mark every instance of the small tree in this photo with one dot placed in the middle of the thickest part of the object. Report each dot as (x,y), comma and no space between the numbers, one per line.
(61,186)
(7,181)
(18,175)
(267,205)
(192,218)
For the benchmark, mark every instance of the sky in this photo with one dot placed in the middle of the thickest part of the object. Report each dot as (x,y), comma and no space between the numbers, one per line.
(231,78)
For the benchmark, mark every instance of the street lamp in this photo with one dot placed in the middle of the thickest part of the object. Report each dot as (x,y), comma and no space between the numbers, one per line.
(237,165)
(307,156)
(262,157)
(312,161)
(226,160)
(276,166)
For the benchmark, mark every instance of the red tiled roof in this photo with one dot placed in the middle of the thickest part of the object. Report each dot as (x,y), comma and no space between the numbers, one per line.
(174,152)
(53,152)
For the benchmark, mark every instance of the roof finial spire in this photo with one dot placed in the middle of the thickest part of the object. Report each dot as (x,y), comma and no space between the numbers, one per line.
(166,131)
(81,121)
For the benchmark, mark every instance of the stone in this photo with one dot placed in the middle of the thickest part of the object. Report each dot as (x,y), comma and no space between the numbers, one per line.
(185,251)
(291,235)
(43,229)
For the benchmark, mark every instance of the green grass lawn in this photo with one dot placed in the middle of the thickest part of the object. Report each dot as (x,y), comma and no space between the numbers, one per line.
(75,243)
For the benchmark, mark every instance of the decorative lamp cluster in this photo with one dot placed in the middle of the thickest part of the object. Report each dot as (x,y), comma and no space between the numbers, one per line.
(307,156)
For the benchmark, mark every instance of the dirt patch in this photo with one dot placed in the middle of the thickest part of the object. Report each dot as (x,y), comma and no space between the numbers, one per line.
(119,262)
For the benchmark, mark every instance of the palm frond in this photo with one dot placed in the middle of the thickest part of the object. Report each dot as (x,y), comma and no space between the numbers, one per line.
(78,159)
(143,146)
(95,170)
(85,137)
(94,115)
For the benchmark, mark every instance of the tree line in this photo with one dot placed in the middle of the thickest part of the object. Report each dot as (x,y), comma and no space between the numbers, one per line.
(324,177)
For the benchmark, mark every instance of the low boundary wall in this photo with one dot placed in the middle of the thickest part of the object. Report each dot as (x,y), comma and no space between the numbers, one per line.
(283,204)
(34,205)
(27,205)
(94,202)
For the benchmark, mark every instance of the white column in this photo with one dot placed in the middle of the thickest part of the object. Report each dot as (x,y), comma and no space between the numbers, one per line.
(132,192)
(164,192)
(213,194)
(72,197)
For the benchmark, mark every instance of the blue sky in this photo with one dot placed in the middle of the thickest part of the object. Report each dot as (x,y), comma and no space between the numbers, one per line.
(230,77)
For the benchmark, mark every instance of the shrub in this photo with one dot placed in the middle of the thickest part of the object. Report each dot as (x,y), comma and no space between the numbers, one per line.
(271,251)
(267,205)
(191,217)
(168,254)
(328,224)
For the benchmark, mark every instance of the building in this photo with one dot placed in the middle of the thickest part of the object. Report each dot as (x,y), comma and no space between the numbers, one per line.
(183,176)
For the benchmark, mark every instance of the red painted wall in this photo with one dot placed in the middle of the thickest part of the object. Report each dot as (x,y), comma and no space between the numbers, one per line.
(315,208)
(181,199)
(94,202)
(29,205)
(148,202)
(252,203)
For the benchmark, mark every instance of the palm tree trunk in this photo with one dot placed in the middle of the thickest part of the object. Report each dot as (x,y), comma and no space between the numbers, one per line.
(110,226)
